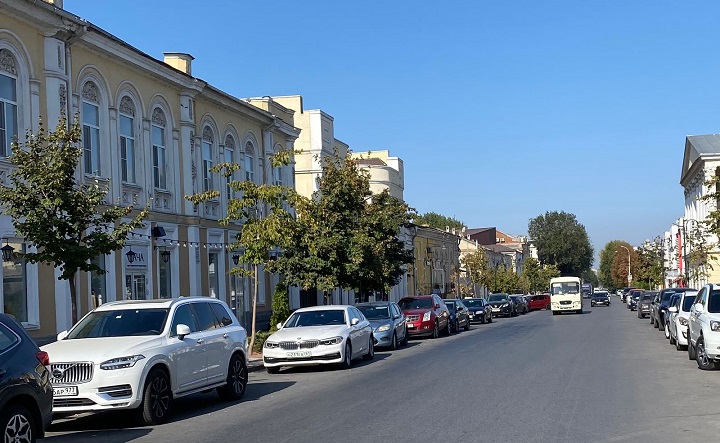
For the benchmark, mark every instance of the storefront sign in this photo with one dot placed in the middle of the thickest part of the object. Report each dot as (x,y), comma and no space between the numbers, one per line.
(135,257)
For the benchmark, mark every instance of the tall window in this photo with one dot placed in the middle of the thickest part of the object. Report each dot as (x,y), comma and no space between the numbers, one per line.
(127,140)
(91,128)
(165,279)
(15,300)
(8,102)
(158,142)
(213,275)
(261,169)
(207,146)
(229,150)
(97,281)
(249,157)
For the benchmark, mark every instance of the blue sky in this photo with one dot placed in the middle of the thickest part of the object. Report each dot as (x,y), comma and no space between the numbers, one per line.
(500,110)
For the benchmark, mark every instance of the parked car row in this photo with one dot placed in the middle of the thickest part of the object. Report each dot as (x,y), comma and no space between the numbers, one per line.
(690,320)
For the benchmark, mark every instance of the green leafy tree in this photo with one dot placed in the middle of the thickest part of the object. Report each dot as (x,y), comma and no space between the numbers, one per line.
(619,267)
(588,276)
(548,272)
(280,306)
(650,270)
(438,221)
(532,275)
(268,225)
(607,255)
(476,267)
(347,237)
(67,221)
(562,241)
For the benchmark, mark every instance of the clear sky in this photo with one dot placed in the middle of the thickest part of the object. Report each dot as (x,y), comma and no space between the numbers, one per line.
(500,110)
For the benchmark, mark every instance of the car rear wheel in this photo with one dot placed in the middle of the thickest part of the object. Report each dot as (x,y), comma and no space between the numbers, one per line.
(371,350)
(436,330)
(703,360)
(457,326)
(661,325)
(405,339)
(692,354)
(666,328)
(157,399)
(18,425)
(467,324)
(448,328)
(490,318)
(237,379)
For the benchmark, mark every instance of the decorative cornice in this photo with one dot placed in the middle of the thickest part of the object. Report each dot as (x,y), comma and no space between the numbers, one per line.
(90,92)
(229,142)
(7,62)
(158,117)
(207,134)
(127,106)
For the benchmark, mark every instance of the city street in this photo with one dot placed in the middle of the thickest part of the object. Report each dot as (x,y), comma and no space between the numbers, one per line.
(604,376)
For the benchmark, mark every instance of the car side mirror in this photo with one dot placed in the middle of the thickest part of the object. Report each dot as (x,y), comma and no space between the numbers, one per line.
(699,307)
(396,316)
(62,335)
(279,325)
(459,308)
(354,321)
(672,309)
(437,306)
(182,331)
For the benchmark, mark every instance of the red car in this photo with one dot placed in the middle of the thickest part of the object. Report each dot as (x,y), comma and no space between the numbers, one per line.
(426,315)
(540,301)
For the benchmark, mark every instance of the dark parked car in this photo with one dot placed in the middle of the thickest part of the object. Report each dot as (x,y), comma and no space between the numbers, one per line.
(644,304)
(633,298)
(600,298)
(25,390)
(426,315)
(388,323)
(658,309)
(502,304)
(479,310)
(521,305)
(459,315)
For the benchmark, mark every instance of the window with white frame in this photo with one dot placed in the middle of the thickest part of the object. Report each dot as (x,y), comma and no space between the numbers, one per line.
(213,275)
(249,158)
(8,102)
(261,169)
(165,276)
(127,140)
(229,151)
(91,128)
(98,283)
(277,170)
(15,296)
(207,158)
(158,146)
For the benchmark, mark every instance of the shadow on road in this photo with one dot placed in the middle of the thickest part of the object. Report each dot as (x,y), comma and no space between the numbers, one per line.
(119,426)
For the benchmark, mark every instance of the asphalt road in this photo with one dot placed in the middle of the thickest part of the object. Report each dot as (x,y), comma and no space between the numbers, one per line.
(604,376)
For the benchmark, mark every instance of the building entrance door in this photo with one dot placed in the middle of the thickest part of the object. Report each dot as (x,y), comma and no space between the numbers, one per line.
(135,286)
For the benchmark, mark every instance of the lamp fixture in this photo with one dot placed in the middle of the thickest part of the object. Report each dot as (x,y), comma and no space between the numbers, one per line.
(236,258)
(7,251)
(165,255)
(129,254)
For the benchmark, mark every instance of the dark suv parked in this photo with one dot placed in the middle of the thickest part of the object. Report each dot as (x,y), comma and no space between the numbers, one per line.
(25,389)
(659,306)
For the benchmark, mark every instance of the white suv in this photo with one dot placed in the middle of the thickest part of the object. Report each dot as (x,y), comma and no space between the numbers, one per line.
(143,354)
(704,326)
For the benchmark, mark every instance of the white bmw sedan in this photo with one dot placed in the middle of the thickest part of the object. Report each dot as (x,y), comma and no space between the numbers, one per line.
(320,335)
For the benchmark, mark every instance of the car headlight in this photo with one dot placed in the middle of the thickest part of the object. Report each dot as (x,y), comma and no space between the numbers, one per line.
(683,321)
(383,328)
(271,345)
(715,326)
(121,362)
(426,316)
(331,341)
(505,305)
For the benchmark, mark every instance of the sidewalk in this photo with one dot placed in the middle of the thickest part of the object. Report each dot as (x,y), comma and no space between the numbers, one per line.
(255,363)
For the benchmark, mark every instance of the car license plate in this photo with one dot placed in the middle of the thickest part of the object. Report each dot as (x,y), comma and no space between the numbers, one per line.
(410,325)
(299,354)
(496,309)
(65,391)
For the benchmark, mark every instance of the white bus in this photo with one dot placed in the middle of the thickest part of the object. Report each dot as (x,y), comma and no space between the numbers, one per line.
(565,295)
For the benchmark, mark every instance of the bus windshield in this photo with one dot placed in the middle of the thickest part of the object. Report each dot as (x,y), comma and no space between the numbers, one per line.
(565,288)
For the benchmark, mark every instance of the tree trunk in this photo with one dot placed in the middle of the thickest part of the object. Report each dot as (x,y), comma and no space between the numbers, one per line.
(254,310)
(73,299)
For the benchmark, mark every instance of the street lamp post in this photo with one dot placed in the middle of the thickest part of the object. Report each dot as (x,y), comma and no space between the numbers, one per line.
(629,278)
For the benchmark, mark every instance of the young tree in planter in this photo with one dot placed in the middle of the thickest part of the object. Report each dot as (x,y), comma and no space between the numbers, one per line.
(268,225)
(280,306)
(67,221)
(476,268)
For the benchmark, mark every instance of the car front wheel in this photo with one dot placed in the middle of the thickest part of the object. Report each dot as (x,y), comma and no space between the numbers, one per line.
(347,361)
(18,425)
(157,399)
(371,350)
(237,379)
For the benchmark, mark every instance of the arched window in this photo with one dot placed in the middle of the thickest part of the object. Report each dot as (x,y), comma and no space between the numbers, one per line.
(8,102)
(91,128)
(158,145)
(229,151)
(207,158)
(127,139)
(249,157)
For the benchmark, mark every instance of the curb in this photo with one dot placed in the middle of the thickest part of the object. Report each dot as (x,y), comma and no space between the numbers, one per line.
(255,365)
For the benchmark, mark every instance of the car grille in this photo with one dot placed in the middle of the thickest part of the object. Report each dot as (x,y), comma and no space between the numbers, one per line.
(67,373)
(71,402)
(292,345)
(116,391)
(412,317)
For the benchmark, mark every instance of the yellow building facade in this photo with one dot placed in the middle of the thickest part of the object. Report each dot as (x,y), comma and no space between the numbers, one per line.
(151,132)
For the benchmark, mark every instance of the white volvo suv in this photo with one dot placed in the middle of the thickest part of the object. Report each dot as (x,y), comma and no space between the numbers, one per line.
(704,328)
(143,354)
